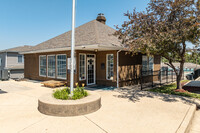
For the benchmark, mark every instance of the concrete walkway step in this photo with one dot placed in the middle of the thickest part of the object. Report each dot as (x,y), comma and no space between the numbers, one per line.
(195,128)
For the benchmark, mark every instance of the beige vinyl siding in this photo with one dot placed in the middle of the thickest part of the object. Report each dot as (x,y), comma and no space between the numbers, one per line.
(12,60)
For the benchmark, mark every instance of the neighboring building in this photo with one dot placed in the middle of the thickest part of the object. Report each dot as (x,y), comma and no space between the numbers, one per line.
(100,58)
(13,61)
(188,67)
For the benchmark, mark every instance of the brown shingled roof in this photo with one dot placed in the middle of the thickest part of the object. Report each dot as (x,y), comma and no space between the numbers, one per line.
(90,33)
(18,49)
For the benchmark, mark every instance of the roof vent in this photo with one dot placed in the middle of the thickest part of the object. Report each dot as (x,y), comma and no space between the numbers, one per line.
(101,18)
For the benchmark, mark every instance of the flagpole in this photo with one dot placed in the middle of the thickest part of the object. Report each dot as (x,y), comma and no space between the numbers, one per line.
(72,48)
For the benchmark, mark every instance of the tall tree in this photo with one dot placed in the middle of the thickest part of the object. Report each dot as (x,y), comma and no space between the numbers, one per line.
(163,29)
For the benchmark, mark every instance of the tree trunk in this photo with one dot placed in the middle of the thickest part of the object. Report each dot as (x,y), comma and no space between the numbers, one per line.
(179,76)
(178,81)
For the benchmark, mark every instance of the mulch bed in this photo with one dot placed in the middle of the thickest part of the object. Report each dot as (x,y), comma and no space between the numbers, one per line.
(181,90)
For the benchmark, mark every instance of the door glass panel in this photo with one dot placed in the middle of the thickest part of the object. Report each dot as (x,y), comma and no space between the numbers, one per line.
(90,71)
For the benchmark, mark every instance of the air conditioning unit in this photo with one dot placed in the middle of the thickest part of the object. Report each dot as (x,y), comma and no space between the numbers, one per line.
(4,75)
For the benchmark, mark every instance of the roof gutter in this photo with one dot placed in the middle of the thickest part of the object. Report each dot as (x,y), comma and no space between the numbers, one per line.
(46,50)
(84,47)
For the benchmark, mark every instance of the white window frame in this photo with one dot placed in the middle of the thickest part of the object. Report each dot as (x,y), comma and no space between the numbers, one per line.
(46,66)
(107,66)
(85,67)
(148,64)
(94,68)
(57,67)
(153,61)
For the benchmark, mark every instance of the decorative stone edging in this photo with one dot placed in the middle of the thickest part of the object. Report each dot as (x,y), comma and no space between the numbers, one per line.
(48,105)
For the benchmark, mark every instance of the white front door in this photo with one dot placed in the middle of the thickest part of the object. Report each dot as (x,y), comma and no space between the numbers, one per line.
(90,70)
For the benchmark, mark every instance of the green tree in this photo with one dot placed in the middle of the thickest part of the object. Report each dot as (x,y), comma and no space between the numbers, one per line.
(193,57)
(163,29)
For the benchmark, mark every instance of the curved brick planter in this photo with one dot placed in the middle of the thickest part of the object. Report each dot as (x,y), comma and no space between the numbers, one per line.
(51,106)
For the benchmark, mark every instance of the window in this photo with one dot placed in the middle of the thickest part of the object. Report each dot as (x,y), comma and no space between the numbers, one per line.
(147,64)
(110,67)
(43,65)
(144,63)
(51,66)
(0,61)
(61,66)
(82,67)
(20,58)
(151,63)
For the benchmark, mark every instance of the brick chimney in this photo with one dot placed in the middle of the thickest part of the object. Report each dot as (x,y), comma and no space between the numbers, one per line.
(101,18)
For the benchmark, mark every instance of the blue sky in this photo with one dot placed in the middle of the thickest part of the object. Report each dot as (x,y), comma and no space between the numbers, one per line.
(30,22)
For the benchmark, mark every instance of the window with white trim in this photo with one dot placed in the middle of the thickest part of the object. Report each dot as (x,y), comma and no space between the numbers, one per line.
(147,64)
(109,66)
(82,67)
(61,66)
(43,65)
(51,66)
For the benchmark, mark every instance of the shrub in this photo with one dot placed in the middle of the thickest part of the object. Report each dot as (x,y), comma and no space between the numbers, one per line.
(64,94)
(79,93)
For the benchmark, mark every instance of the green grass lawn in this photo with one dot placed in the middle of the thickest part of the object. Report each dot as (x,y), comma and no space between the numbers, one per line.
(170,89)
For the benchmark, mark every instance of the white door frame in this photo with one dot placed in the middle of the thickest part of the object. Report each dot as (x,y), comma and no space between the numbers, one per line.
(94,58)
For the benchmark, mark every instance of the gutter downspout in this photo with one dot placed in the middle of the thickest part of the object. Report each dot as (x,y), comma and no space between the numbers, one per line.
(118,68)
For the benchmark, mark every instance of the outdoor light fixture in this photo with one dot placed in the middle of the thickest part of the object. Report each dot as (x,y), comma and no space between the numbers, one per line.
(96,50)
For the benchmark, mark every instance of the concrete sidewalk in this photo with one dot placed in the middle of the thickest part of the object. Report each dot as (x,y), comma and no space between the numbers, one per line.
(195,128)
(123,111)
